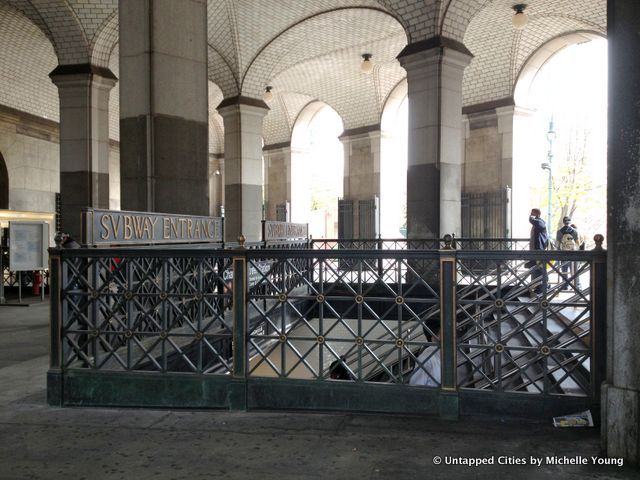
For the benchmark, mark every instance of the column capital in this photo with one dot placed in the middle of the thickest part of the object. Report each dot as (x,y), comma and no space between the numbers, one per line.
(360,132)
(251,105)
(277,148)
(71,75)
(438,47)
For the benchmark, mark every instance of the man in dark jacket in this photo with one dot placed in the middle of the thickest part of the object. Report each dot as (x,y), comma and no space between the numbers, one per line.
(538,240)
(539,237)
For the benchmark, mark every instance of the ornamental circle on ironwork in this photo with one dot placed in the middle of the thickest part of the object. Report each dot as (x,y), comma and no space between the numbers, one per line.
(499,303)
(399,342)
(359,299)
(95,294)
(282,297)
(399,300)
(320,339)
(163,334)
(198,296)
(163,295)
(199,335)
(283,338)
(499,348)
(128,334)
(128,295)
(545,350)
(544,304)
(359,341)
(320,298)
(95,332)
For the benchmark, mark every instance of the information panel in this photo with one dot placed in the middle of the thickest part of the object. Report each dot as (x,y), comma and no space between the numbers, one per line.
(117,227)
(28,243)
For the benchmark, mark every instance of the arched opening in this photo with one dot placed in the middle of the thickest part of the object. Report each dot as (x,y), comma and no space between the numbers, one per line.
(560,144)
(393,164)
(4,185)
(317,166)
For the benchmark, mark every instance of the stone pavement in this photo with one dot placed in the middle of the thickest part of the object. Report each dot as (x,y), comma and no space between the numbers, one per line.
(39,442)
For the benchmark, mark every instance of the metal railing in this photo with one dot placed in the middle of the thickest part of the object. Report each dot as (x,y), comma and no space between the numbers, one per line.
(268,328)
(517,244)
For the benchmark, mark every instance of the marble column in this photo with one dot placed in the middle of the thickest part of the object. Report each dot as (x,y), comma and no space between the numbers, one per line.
(84,140)
(243,166)
(435,69)
(163,106)
(621,392)
(361,179)
(277,158)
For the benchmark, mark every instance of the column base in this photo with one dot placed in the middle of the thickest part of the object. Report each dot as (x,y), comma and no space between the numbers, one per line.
(621,423)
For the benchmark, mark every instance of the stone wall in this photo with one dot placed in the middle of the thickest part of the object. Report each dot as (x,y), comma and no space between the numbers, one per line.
(29,146)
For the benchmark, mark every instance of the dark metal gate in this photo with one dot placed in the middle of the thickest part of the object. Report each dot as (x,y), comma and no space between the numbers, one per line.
(487,215)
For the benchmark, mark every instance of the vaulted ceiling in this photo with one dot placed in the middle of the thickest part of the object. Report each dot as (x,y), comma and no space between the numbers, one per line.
(307,50)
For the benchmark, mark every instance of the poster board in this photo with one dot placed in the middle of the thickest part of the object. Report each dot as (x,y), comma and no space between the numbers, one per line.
(28,244)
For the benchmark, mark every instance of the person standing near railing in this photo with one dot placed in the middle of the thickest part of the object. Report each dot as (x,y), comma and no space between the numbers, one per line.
(538,240)
(567,240)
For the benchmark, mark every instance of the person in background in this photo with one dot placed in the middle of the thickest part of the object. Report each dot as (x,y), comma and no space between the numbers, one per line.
(538,240)
(567,241)
(582,239)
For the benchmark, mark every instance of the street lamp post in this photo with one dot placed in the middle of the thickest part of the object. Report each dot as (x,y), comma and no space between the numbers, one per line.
(551,136)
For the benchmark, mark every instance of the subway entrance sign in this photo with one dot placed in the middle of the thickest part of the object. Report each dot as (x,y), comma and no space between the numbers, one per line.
(116,227)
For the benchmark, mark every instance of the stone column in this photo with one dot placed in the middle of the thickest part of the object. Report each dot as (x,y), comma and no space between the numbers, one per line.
(488,163)
(84,140)
(277,159)
(163,106)
(361,167)
(434,174)
(621,393)
(361,162)
(243,166)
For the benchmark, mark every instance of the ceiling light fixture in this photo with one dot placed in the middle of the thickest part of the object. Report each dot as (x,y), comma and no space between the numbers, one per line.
(520,19)
(267,96)
(367,65)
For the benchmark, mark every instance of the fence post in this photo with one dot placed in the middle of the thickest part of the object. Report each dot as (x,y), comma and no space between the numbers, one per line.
(598,318)
(448,398)
(54,374)
(237,394)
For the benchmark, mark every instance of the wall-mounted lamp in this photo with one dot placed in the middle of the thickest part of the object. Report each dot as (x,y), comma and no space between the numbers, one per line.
(367,65)
(519,19)
(267,96)
(217,172)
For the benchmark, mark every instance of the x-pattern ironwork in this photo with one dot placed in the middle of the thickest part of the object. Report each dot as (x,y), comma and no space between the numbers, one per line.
(512,339)
(353,316)
(140,312)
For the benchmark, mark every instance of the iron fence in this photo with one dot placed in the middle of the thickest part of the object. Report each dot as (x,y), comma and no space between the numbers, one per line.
(324,328)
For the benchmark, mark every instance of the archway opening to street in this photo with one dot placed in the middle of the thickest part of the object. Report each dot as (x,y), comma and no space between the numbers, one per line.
(560,150)
(393,164)
(317,169)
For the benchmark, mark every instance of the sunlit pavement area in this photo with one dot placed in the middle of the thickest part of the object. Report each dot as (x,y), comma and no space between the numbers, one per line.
(40,442)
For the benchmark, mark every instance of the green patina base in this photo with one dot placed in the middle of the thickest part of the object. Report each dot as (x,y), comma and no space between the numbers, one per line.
(151,390)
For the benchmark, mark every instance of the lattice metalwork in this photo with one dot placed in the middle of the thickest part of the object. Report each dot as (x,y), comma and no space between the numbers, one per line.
(140,311)
(499,244)
(525,326)
(310,318)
